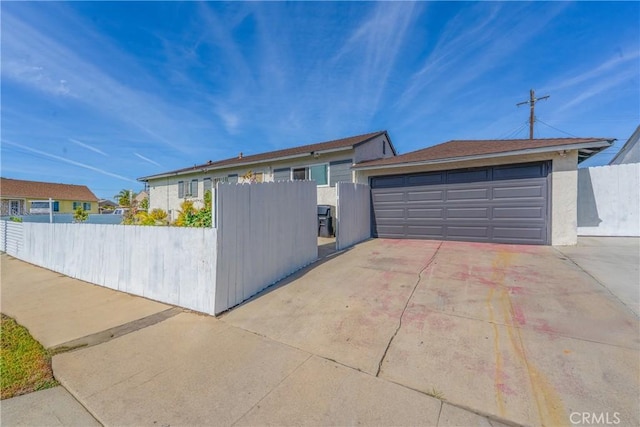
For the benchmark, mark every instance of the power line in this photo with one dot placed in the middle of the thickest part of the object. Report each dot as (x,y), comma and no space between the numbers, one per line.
(513,132)
(559,130)
(532,103)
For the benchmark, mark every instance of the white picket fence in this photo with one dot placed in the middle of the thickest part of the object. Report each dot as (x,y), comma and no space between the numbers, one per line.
(609,200)
(354,214)
(264,233)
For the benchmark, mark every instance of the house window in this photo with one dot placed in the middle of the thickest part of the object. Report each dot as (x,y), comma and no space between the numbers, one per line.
(76,205)
(384,147)
(320,174)
(180,189)
(300,174)
(86,206)
(56,206)
(206,183)
(233,177)
(194,188)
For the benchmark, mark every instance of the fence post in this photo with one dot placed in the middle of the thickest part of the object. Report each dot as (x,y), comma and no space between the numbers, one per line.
(50,210)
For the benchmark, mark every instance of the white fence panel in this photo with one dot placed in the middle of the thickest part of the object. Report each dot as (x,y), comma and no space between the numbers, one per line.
(168,264)
(11,240)
(354,214)
(266,232)
(609,200)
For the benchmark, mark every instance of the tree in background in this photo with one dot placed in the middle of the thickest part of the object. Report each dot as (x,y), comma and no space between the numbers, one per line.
(144,204)
(124,197)
(80,215)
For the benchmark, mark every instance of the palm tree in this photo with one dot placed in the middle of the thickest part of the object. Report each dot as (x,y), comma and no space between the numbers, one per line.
(124,197)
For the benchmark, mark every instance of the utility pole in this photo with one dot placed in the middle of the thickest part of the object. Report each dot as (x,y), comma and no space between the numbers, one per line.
(532,103)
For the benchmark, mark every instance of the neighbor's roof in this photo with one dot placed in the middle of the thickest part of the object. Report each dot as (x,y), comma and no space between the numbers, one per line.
(328,146)
(630,151)
(473,149)
(45,190)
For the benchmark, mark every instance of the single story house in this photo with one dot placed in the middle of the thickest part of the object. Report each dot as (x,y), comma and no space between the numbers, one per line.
(630,151)
(106,205)
(504,191)
(20,197)
(326,163)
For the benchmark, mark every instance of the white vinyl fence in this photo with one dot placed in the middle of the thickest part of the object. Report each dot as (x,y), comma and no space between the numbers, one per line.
(354,214)
(168,264)
(266,232)
(609,200)
(11,237)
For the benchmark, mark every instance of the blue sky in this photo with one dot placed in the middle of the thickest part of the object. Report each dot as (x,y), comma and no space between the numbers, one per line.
(101,93)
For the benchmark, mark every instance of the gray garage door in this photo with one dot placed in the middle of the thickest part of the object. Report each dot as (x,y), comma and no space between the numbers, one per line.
(505,204)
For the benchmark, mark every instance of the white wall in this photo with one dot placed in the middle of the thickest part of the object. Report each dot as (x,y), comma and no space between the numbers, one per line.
(11,240)
(609,200)
(168,264)
(354,214)
(564,199)
(266,232)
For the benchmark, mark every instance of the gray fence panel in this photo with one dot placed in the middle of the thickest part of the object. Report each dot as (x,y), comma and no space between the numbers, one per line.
(266,231)
(169,264)
(354,214)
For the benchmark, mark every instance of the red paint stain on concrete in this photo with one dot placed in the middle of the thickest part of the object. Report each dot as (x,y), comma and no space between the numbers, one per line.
(505,389)
(544,327)
(518,316)
(517,290)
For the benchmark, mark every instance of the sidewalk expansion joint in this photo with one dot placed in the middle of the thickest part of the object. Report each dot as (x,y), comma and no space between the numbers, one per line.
(115,332)
(413,291)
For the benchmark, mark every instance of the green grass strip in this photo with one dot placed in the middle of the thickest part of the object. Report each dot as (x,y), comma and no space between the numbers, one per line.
(25,365)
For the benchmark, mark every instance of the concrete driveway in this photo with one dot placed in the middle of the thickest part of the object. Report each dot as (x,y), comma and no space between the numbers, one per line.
(521,333)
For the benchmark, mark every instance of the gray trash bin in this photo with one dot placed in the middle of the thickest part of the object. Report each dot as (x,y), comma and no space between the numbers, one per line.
(325,221)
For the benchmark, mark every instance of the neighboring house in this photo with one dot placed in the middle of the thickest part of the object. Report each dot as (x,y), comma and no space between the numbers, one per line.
(326,163)
(106,205)
(19,197)
(141,196)
(630,151)
(504,191)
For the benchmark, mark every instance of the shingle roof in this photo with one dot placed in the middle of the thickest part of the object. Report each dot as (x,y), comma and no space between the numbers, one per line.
(271,155)
(470,148)
(43,190)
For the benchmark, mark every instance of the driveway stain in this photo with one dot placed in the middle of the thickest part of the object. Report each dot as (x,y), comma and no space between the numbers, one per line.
(548,402)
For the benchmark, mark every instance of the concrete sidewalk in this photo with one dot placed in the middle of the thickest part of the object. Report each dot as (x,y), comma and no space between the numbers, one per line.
(63,312)
(189,369)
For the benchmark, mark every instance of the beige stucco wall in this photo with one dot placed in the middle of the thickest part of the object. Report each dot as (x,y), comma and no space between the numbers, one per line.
(163,192)
(564,186)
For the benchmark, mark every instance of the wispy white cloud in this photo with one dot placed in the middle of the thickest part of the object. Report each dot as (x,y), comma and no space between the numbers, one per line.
(146,159)
(43,62)
(88,147)
(68,161)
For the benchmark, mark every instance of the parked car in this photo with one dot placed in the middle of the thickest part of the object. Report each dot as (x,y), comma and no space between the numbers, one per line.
(120,211)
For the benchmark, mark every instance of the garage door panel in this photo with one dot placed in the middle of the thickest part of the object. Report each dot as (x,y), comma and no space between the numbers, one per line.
(422,231)
(413,213)
(465,176)
(398,213)
(529,170)
(467,213)
(468,231)
(394,196)
(520,234)
(425,179)
(425,195)
(518,213)
(388,181)
(468,194)
(518,192)
(506,204)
